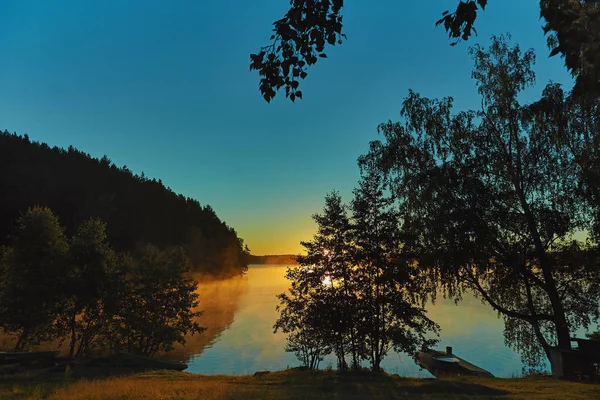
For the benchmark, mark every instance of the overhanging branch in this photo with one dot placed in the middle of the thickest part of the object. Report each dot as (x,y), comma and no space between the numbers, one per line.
(511,313)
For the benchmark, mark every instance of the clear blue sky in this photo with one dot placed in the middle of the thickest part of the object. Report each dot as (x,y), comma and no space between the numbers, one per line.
(164,88)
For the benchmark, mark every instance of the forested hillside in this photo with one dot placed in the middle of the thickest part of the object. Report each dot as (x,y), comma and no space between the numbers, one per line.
(136,209)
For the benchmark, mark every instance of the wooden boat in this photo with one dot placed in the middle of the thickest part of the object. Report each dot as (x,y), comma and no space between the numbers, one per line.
(133,360)
(16,357)
(448,364)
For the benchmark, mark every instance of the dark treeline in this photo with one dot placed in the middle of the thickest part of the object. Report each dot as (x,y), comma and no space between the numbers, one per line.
(77,289)
(289,259)
(136,209)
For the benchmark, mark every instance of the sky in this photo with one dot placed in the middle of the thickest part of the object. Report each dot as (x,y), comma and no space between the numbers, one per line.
(164,88)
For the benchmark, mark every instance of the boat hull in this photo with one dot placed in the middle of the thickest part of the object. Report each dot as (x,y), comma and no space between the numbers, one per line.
(442,364)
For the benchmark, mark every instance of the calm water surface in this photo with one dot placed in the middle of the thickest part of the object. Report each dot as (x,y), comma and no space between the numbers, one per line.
(240,314)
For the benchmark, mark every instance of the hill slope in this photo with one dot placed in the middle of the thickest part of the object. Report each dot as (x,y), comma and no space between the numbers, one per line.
(137,209)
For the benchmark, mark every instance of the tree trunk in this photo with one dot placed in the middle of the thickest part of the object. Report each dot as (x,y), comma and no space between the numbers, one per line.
(341,356)
(350,322)
(73,335)
(560,320)
(535,324)
(20,345)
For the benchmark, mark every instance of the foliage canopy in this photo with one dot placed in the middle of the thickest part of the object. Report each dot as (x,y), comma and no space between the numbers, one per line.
(300,38)
(492,202)
(354,293)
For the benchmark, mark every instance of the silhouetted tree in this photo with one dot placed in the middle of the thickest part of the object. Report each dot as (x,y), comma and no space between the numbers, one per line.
(389,287)
(573,29)
(92,289)
(33,270)
(327,270)
(303,316)
(490,204)
(299,39)
(573,123)
(354,293)
(158,306)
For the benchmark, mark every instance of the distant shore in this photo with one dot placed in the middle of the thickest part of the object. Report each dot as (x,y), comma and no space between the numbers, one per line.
(284,259)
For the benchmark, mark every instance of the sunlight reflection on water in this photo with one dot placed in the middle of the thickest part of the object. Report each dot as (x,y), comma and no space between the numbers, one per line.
(244,341)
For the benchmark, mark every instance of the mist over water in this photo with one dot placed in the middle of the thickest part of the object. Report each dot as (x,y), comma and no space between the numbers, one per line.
(219,300)
(239,314)
(241,340)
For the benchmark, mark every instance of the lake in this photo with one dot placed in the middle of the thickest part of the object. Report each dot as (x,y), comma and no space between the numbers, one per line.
(240,314)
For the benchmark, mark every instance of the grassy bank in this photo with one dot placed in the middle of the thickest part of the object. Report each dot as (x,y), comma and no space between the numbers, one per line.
(289,385)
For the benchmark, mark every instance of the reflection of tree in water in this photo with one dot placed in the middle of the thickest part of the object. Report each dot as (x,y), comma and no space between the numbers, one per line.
(219,300)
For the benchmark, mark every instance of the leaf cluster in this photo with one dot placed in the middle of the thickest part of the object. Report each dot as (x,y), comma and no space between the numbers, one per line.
(299,40)
(572,29)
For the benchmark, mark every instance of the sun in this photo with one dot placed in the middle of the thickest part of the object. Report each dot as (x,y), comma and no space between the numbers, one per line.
(327,280)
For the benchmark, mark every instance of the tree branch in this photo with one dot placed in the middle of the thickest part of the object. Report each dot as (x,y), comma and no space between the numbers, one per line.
(511,313)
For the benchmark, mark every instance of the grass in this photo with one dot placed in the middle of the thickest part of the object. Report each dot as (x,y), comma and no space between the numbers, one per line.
(292,384)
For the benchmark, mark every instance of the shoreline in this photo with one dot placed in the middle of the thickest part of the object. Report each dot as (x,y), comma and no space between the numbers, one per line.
(288,384)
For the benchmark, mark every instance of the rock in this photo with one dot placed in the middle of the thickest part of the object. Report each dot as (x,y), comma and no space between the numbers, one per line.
(262,372)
